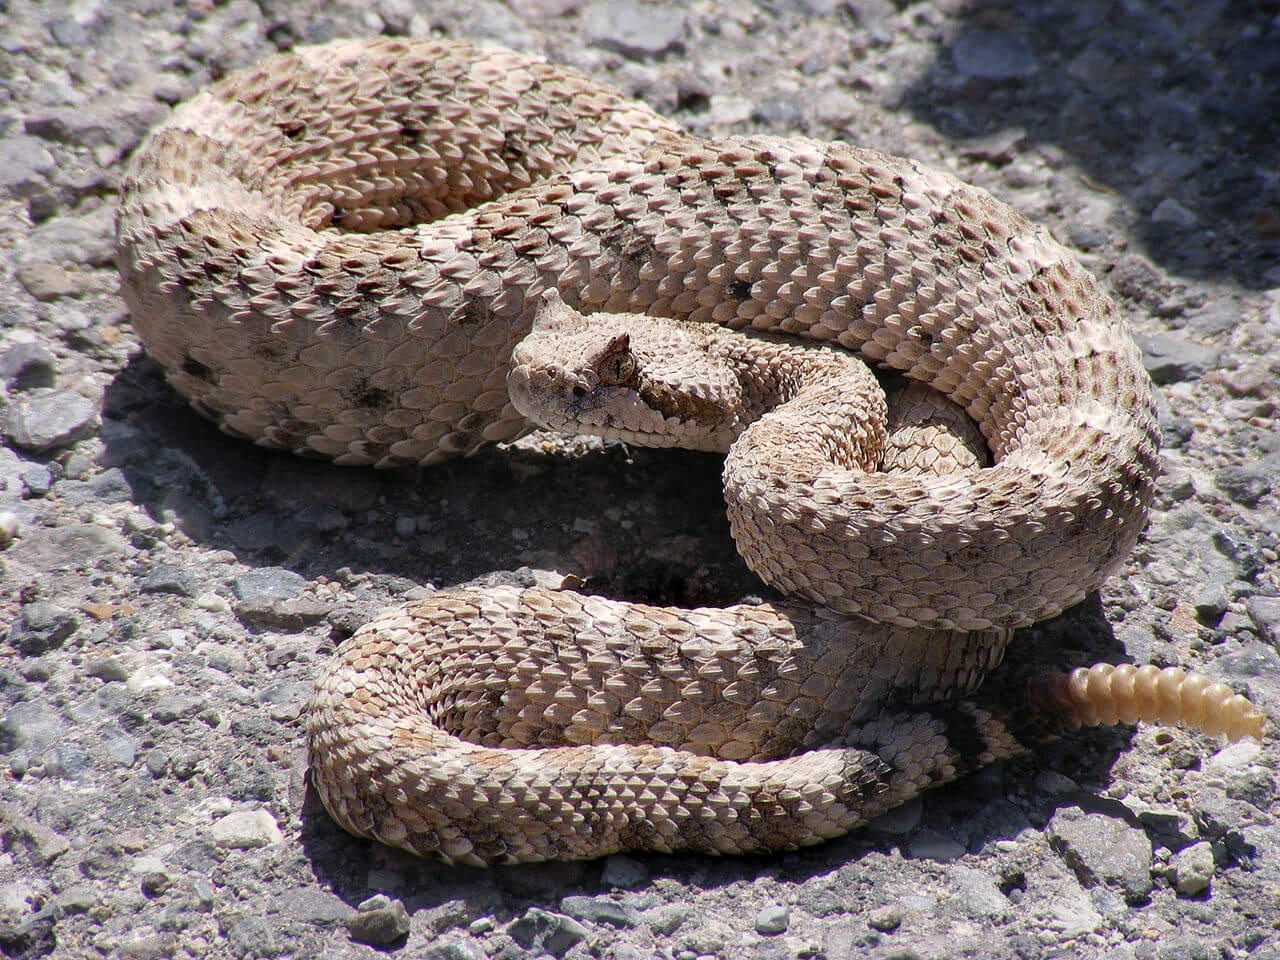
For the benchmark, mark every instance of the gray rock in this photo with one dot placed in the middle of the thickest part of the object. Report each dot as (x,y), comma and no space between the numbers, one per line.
(1265,614)
(887,918)
(931,845)
(41,842)
(170,578)
(1244,484)
(118,121)
(1103,849)
(623,872)
(773,920)
(455,948)
(632,29)
(1169,358)
(245,829)
(47,420)
(41,626)
(28,366)
(993,55)
(379,921)
(272,583)
(541,930)
(38,481)
(26,168)
(601,910)
(288,615)
(978,893)
(667,919)
(1193,869)
(251,938)
(1169,211)
(108,669)
(88,240)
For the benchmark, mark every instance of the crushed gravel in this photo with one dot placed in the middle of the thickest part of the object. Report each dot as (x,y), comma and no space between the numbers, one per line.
(167,594)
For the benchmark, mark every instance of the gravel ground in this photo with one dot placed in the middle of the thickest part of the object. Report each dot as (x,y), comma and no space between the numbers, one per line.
(167,594)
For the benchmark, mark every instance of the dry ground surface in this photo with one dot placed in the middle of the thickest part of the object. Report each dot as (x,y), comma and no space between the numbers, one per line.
(170,592)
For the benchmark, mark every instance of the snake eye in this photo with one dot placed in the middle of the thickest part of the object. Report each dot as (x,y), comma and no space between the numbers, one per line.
(617,364)
(617,369)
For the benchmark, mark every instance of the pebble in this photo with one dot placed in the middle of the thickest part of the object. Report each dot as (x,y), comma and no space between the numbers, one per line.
(27,165)
(1193,869)
(379,921)
(455,948)
(9,527)
(245,829)
(170,578)
(1169,358)
(773,920)
(601,910)
(269,583)
(45,420)
(887,918)
(28,366)
(542,931)
(1103,849)
(1245,485)
(623,872)
(41,626)
(1265,614)
(993,55)
(636,30)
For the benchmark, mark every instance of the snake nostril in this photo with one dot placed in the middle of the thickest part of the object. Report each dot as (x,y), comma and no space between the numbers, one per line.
(579,391)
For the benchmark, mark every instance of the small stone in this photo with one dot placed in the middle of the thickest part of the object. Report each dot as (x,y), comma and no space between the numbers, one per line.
(1193,869)
(1170,211)
(379,921)
(155,882)
(541,930)
(170,578)
(109,669)
(455,948)
(623,872)
(288,615)
(1265,614)
(1245,485)
(27,165)
(887,918)
(46,420)
(633,29)
(993,55)
(931,845)
(9,528)
(978,893)
(667,919)
(601,910)
(273,583)
(38,481)
(246,829)
(51,281)
(41,626)
(773,920)
(28,366)
(1103,849)
(1170,359)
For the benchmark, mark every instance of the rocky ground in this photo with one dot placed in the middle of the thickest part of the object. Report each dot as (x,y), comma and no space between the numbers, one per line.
(167,594)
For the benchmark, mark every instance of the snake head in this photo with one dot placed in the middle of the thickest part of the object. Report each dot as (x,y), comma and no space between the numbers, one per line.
(624,376)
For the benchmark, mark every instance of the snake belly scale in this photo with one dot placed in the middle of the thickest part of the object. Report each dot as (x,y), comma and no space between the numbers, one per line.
(336,252)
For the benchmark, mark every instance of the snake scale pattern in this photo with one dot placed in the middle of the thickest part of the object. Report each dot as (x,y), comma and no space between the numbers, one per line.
(336,253)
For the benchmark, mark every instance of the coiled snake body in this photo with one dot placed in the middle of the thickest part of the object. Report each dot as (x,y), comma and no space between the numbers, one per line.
(336,253)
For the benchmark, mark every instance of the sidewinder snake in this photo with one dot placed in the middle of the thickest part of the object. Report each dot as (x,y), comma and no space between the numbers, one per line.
(336,252)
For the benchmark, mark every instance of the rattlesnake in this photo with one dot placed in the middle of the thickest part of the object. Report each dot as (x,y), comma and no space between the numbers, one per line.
(335,253)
